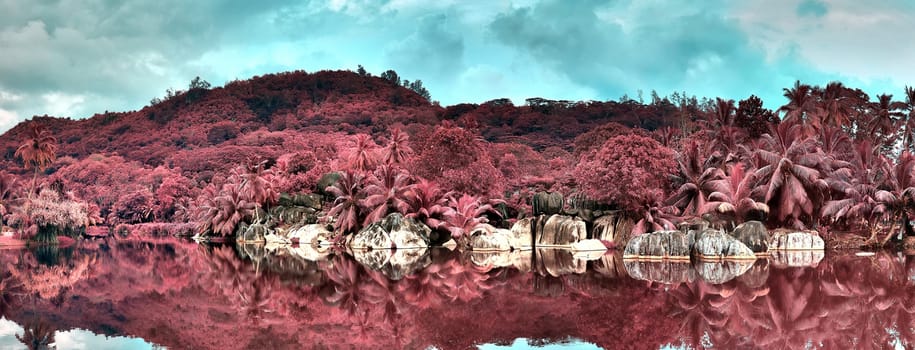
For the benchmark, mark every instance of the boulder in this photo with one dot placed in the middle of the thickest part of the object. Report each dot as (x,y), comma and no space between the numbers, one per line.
(326,181)
(796,258)
(612,227)
(667,272)
(610,264)
(754,235)
(559,230)
(254,233)
(394,231)
(660,245)
(722,271)
(795,240)
(717,245)
(589,245)
(559,262)
(293,215)
(311,235)
(308,200)
(757,276)
(521,237)
(487,238)
(547,203)
(394,264)
(491,259)
(273,239)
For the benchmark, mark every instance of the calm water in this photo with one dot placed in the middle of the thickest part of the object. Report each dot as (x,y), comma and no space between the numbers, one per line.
(173,294)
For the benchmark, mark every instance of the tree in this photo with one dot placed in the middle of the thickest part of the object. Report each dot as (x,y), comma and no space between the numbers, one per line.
(625,169)
(734,193)
(38,151)
(469,212)
(800,103)
(881,125)
(348,191)
(428,203)
(417,86)
(698,172)
(908,127)
(391,76)
(791,181)
(363,156)
(385,193)
(252,183)
(456,159)
(398,149)
(856,186)
(752,117)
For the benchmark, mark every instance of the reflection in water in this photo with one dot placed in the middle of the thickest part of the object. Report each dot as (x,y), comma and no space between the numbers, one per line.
(183,295)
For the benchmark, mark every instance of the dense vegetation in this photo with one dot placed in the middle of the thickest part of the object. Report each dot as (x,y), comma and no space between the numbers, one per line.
(831,159)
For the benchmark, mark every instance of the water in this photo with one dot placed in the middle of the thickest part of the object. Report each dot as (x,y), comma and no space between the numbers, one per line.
(174,294)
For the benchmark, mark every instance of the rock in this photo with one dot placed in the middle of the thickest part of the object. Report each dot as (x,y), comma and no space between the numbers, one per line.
(717,245)
(612,227)
(667,272)
(487,238)
(276,240)
(405,262)
(589,245)
(794,240)
(394,231)
(372,237)
(491,259)
(722,271)
(559,262)
(547,203)
(450,244)
(588,255)
(754,235)
(308,200)
(254,233)
(311,235)
(694,224)
(559,230)
(611,265)
(394,264)
(309,252)
(796,258)
(326,181)
(660,245)
(521,234)
(373,259)
(294,215)
(757,276)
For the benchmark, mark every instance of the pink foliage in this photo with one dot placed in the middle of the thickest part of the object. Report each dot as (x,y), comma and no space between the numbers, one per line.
(625,170)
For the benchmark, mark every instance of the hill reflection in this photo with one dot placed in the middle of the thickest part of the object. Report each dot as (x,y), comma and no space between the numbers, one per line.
(183,295)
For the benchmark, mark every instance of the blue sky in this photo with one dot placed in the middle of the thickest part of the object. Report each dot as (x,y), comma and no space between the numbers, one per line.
(73,59)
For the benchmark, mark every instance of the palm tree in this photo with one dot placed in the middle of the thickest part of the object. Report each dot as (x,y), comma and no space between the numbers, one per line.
(734,193)
(386,192)
(398,149)
(363,157)
(220,212)
(857,186)
(38,151)
(882,124)
(837,102)
(789,175)
(698,169)
(469,212)
(348,191)
(908,127)
(800,102)
(896,198)
(428,203)
(253,185)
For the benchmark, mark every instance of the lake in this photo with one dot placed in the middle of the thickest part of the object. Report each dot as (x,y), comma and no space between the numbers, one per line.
(167,293)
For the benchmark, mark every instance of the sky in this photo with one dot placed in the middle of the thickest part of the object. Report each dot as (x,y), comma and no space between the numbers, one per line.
(77,58)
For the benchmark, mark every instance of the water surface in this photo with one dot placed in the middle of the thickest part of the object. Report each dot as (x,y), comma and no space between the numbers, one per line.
(174,294)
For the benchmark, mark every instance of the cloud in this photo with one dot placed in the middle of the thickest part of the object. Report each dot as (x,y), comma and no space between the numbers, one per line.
(76,59)
(813,8)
